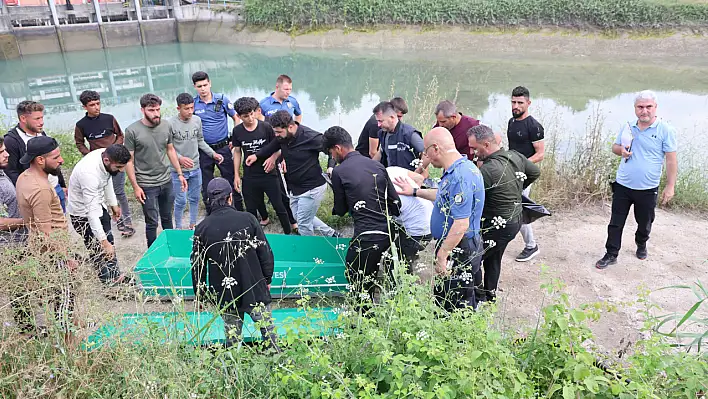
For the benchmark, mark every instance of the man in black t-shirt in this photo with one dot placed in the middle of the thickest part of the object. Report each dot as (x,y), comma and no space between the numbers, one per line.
(260,177)
(368,144)
(525,136)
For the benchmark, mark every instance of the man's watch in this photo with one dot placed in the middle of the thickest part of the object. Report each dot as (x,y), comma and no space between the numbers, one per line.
(415,191)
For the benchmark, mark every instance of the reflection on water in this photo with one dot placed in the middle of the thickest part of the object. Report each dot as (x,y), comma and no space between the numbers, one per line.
(336,87)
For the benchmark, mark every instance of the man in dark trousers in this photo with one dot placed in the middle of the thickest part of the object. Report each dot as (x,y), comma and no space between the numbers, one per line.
(31,123)
(259,178)
(363,189)
(300,147)
(215,110)
(232,264)
(102,130)
(525,136)
(506,174)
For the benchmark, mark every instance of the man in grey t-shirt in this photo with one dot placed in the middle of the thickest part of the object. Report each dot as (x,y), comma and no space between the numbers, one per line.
(11,223)
(188,139)
(151,150)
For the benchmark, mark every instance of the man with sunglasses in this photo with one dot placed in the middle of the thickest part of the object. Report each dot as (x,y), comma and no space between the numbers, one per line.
(215,109)
(455,223)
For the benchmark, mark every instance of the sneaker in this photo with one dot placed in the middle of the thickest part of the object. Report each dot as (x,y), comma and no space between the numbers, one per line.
(606,260)
(265,222)
(527,254)
(127,232)
(642,252)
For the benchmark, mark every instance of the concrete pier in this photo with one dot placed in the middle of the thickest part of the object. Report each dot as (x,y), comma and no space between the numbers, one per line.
(26,30)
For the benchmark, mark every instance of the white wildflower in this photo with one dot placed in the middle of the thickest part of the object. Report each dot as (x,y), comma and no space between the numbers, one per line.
(319,261)
(491,243)
(520,175)
(498,222)
(177,300)
(416,163)
(348,287)
(229,282)
(330,280)
(363,296)
(340,335)
(341,247)
(359,205)
(422,335)
(467,277)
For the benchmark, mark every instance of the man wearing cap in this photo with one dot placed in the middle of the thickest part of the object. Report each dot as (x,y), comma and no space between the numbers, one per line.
(232,264)
(41,211)
(90,190)
(31,123)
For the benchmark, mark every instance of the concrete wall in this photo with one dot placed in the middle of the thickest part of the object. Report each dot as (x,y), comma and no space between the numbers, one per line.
(159,31)
(122,34)
(8,47)
(222,31)
(37,40)
(81,37)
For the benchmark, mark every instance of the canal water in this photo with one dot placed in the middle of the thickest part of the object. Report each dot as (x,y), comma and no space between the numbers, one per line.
(570,95)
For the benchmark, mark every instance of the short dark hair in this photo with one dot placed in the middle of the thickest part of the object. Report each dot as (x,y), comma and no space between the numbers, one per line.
(337,135)
(2,140)
(185,99)
(150,100)
(27,107)
(246,105)
(482,133)
(400,105)
(283,78)
(199,76)
(117,153)
(520,91)
(281,119)
(89,95)
(385,107)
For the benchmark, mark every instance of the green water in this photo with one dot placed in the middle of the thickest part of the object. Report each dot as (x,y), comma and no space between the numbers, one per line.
(341,87)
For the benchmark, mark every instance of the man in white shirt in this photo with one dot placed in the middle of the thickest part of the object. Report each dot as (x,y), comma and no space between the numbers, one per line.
(90,189)
(415,217)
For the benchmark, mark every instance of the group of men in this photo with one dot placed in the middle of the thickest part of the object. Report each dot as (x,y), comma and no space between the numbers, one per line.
(473,211)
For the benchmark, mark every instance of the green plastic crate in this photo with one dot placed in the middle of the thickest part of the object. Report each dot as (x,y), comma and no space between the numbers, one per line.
(302,265)
(204,328)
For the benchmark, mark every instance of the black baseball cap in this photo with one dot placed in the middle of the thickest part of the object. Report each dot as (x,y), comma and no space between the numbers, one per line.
(38,146)
(218,188)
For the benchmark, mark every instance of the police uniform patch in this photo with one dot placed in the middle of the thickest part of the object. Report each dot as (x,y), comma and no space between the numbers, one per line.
(230,105)
(290,105)
(458,198)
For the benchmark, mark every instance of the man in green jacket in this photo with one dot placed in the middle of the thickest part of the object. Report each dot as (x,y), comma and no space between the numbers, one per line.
(506,174)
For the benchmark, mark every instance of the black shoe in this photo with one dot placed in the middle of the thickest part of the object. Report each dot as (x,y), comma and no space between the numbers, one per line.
(527,254)
(337,234)
(606,260)
(642,252)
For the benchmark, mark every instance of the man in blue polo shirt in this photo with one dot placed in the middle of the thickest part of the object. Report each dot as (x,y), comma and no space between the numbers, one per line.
(643,145)
(455,223)
(281,99)
(215,109)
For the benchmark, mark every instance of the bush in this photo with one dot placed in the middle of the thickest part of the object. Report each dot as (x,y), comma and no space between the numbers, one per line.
(603,14)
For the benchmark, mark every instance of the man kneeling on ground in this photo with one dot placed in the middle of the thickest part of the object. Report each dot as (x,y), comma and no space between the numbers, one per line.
(231,249)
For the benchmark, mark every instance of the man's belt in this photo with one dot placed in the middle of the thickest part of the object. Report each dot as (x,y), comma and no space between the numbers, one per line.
(219,144)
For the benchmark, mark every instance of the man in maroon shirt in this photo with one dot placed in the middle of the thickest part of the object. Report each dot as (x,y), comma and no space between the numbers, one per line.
(458,125)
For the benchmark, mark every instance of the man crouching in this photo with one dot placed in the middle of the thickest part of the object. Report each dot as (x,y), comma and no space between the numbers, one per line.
(230,248)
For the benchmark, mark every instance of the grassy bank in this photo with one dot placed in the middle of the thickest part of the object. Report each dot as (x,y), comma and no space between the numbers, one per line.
(407,347)
(306,15)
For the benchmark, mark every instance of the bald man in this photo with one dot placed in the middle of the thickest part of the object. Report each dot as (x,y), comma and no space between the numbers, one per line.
(455,222)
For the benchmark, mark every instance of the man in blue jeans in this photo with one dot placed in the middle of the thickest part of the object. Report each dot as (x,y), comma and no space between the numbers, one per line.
(150,144)
(188,139)
(300,147)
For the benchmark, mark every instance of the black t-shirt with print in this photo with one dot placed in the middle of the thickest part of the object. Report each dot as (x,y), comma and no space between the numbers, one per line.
(251,143)
(522,134)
